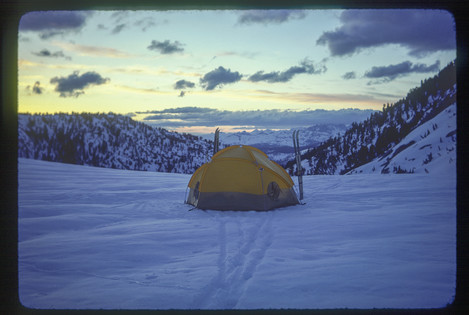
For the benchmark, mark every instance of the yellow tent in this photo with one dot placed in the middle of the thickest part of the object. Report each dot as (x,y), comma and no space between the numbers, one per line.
(241,178)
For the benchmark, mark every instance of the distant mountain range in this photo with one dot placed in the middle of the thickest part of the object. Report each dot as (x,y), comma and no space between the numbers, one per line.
(408,136)
(277,144)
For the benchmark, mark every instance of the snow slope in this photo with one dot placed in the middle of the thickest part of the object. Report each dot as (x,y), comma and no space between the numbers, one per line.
(105,238)
(428,148)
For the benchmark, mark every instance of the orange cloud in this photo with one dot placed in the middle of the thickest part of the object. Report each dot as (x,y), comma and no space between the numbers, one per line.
(365,100)
(93,51)
(142,90)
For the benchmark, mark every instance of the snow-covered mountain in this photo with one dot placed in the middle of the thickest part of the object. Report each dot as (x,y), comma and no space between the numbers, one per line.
(117,141)
(427,149)
(109,140)
(413,135)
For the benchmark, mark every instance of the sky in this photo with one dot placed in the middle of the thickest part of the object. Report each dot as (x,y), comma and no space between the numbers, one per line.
(190,70)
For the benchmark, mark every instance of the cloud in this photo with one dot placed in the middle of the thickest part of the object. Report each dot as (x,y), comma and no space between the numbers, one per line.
(152,71)
(219,77)
(52,23)
(145,23)
(49,34)
(183,84)
(47,53)
(125,19)
(194,116)
(118,28)
(349,75)
(36,89)
(272,77)
(166,47)
(179,110)
(270,16)
(119,16)
(420,31)
(93,51)
(74,84)
(244,54)
(119,21)
(391,72)
(318,98)
(141,90)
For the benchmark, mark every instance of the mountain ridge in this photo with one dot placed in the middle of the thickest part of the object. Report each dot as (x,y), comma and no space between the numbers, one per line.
(382,133)
(109,140)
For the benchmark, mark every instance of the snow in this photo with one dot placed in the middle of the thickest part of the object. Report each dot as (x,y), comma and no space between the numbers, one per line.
(97,238)
(429,148)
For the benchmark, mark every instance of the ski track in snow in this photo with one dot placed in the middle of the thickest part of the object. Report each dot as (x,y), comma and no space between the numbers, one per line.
(112,239)
(239,255)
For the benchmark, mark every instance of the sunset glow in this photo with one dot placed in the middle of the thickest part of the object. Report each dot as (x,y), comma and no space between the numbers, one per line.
(228,60)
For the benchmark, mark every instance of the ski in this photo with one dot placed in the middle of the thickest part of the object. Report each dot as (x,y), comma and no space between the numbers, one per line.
(216,141)
(299,171)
